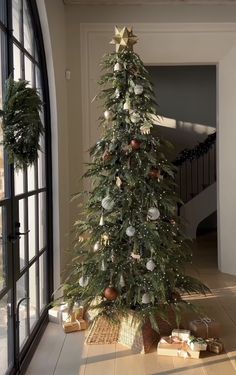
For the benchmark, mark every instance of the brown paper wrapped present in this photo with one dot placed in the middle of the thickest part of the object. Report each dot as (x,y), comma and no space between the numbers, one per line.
(215,346)
(205,328)
(73,324)
(168,347)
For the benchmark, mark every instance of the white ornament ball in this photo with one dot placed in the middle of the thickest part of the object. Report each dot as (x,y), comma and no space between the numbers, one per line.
(96,246)
(117,67)
(107,203)
(146,298)
(130,231)
(108,115)
(134,117)
(150,265)
(138,89)
(153,213)
(83,281)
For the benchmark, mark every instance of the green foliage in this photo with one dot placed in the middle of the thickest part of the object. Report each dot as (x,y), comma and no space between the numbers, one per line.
(161,240)
(22,125)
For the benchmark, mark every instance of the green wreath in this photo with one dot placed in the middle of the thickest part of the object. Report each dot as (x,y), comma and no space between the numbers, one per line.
(21,123)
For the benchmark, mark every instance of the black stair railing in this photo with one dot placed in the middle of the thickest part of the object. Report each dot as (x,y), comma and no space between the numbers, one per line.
(196,168)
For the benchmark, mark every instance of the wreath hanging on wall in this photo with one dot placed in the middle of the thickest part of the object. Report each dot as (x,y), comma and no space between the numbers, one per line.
(21,123)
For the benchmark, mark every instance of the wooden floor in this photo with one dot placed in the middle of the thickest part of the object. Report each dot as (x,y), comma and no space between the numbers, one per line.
(60,354)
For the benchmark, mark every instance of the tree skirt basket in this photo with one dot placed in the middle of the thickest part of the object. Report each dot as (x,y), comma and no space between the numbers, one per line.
(103,332)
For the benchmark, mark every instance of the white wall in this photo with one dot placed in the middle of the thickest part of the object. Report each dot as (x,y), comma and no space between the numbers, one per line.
(52,17)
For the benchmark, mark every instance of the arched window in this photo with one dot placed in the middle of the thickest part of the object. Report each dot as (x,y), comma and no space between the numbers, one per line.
(25,198)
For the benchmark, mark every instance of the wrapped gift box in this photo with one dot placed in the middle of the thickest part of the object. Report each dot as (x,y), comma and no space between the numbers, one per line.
(215,346)
(140,339)
(168,347)
(182,334)
(197,343)
(73,326)
(58,314)
(205,328)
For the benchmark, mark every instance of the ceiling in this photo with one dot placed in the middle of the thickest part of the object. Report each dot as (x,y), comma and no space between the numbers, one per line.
(150,2)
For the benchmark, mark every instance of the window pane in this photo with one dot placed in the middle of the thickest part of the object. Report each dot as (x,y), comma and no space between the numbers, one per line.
(31,177)
(2,187)
(16,18)
(3,335)
(19,181)
(2,251)
(21,292)
(22,229)
(17,63)
(33,295)
(41,165)
(43,280)
(31,226)
(29,71)
(3,11)
(28,30)
(42,220)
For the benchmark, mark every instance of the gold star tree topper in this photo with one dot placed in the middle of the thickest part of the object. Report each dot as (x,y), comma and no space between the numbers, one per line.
(124,39)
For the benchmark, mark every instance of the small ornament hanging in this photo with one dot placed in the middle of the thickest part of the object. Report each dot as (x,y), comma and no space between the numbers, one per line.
(134,117)
(117,93)
(96,246)
(103,266)
(117,67)
(105,239)
(107,203)
(153,213)
(154,173)
(111,293)
(107,156)
(112,256)
(101,222)
(135,144)
(118,181)
(150,265)
(130,231)
(83,281)
(135,256)
(126,105)
(146,298)
(122,281)
(138,89)
(108,115)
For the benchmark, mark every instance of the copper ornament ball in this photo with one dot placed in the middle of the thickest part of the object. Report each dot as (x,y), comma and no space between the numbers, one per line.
(111,293)
(154,173)
(135,144)
(107,156)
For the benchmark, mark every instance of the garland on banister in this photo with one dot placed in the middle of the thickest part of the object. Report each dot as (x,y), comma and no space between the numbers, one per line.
(195,153)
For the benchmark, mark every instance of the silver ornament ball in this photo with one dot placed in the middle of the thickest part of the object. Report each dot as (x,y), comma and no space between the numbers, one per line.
(108,115)
(83,281)
(134,117)
(117,67)
(138,89)
(107,203)
(96,246)
(130,231)
(153,213)
(150,265)
(146,298)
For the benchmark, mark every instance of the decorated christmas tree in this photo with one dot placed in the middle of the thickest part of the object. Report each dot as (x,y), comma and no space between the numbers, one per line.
(130,253)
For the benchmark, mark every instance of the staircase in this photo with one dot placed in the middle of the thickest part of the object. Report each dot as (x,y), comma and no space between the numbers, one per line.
(196,183)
